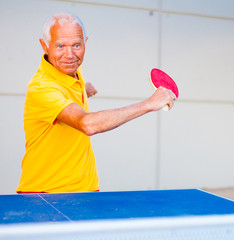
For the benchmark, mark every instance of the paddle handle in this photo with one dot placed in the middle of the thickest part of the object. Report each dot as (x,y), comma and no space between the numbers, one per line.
(165,108)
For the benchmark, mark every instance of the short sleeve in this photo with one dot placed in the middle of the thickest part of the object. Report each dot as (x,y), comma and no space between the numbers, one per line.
(45,103)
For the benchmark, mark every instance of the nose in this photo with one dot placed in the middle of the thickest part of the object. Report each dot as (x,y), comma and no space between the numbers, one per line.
(68,52)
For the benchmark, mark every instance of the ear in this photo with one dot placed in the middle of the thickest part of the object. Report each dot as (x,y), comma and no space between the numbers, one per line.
(86,39)
(44,46)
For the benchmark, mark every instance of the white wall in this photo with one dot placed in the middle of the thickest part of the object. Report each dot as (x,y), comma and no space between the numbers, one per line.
(192,145)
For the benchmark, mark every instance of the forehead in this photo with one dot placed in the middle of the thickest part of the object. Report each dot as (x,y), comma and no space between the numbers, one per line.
(66,31)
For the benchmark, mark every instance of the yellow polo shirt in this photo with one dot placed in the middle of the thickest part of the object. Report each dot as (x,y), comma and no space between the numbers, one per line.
(58,158)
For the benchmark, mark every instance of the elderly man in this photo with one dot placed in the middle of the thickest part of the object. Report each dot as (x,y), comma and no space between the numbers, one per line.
(58,125)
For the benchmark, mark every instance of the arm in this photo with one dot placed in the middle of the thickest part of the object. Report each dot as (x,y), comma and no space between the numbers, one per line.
(96,122)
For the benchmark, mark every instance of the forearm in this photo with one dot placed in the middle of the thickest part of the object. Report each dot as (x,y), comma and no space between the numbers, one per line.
(106,120)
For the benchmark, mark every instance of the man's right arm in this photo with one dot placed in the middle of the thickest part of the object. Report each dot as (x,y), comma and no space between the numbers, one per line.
(102,121)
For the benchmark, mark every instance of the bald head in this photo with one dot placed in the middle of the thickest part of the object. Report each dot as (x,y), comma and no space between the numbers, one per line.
(60,19)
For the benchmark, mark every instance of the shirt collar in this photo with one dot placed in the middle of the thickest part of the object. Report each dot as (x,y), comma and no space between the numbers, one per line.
(56,74)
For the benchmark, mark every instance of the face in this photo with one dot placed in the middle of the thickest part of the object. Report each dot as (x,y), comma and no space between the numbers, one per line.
(66,48)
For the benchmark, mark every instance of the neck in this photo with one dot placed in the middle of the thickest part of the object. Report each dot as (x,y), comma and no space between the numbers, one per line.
(76,76)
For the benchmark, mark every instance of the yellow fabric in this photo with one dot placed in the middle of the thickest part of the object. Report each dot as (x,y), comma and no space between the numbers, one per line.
(58,157)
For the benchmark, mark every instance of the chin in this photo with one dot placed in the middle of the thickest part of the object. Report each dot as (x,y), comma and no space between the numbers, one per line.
(71,72)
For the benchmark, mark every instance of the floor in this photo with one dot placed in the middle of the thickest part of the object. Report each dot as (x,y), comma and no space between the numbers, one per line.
(223,192)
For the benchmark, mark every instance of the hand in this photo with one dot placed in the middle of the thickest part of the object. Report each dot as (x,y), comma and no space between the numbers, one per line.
(161,98)
(90,89)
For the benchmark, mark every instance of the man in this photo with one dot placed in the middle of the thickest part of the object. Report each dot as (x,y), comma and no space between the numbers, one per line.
(57,121)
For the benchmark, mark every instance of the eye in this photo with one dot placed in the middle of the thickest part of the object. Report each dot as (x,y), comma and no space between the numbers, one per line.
(60,46)
(77,45)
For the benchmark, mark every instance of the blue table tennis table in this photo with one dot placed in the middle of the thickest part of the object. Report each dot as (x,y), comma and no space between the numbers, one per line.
(132,215)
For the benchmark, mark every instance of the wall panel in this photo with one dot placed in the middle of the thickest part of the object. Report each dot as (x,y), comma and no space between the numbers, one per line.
(11,141)
(126,157)
(198,52)
(127,4)
(215,8)
(197,146)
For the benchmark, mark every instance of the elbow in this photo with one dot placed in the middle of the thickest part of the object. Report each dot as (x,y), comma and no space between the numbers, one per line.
(86,127)
(89,132)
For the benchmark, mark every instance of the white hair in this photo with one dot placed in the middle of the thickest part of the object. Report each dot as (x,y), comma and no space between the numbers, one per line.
(61,18)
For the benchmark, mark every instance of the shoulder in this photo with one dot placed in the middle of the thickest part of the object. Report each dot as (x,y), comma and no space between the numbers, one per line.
(42,81)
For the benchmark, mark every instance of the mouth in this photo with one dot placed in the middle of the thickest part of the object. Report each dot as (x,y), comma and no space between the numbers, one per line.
(69,63)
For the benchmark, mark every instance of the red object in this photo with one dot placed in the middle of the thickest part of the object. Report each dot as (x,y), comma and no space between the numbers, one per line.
(42,192)
(161,79)
(29,192)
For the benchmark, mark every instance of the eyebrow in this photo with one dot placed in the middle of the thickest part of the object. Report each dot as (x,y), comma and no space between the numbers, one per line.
(62,43)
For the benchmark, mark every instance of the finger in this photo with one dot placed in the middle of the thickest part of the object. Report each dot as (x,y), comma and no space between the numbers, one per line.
(173,96)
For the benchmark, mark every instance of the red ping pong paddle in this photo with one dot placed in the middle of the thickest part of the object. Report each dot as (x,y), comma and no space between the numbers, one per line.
(159,78)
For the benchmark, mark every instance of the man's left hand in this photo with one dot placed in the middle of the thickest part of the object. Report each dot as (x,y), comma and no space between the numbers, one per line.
(90,89)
